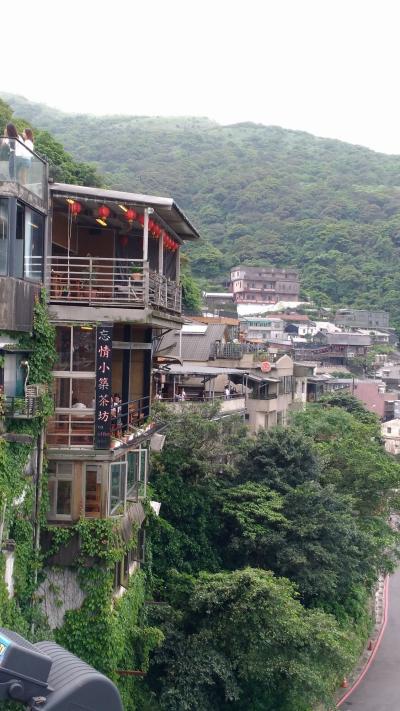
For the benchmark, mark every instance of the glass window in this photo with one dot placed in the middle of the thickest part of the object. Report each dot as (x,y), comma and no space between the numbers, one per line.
(75,393)
(14,375)
(64,495)
(92,490)
(19,242)
(83,393)
(33,252)
(117,487)
(63,346)
(62,392)
(3,236)
(133,471)
(60,489)
(83,357)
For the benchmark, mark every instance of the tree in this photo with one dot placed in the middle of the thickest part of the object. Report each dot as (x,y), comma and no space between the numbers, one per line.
(243,640)
(252,521)
(281,459)
(352,456)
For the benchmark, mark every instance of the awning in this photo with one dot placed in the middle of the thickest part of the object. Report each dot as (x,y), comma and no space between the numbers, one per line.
(166,208)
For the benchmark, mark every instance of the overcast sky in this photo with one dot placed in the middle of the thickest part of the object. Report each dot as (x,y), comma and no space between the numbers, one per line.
(330,67)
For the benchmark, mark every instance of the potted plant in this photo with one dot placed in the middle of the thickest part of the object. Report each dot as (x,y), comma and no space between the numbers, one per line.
(137,272)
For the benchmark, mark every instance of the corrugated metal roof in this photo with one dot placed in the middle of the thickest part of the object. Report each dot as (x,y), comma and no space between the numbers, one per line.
(195,346)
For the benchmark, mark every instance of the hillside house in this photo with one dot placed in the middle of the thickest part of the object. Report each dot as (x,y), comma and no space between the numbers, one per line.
(264,285)
(391,435)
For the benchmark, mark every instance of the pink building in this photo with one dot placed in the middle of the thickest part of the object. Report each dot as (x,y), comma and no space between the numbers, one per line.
(263,285)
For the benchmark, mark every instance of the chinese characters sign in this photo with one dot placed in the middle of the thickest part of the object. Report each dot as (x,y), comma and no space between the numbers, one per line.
(103,387)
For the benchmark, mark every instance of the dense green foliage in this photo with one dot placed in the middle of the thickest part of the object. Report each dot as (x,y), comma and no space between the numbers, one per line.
(18,487)
(259,195)
(278,540)
(109,634)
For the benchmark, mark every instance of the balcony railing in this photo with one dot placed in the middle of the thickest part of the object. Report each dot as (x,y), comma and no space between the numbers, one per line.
(23,408)
(18,164)
(117,282)
(235,350)
(76,428)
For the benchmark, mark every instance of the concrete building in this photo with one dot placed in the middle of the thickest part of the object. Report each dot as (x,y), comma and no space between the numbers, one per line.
(265,393)
(259,329)
(391,435)
(263,285)
(362,318)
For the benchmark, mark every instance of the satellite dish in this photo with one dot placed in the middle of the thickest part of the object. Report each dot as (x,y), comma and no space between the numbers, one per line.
(266,366)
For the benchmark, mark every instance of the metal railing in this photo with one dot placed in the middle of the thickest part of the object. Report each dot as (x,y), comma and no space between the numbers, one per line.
(256,395)
(76,428)
(164,292)
(99,280)
(18,164)
(20,407)
(129,416)
(235,350)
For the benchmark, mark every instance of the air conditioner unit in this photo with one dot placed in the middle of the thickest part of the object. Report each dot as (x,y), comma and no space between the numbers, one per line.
(36,390)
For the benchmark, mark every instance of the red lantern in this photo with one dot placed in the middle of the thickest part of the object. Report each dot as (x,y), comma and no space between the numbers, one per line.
(104,212)
(151,225)
(130,215)
(141,219)
(157,230)
(75,208)
(124,240)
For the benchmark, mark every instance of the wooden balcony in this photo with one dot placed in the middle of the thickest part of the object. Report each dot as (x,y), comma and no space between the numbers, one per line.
(97,281)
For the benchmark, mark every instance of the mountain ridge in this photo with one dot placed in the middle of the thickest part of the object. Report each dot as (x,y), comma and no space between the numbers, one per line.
(259,194)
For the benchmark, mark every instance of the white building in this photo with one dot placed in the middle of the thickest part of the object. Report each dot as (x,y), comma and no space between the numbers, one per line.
(391,434)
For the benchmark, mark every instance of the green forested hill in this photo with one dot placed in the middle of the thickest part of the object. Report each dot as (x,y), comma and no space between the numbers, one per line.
(258,194)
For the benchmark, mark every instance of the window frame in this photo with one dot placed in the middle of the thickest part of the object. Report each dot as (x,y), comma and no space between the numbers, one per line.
(55,478)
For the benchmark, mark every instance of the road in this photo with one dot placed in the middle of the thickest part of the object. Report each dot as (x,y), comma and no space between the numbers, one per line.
(379,690)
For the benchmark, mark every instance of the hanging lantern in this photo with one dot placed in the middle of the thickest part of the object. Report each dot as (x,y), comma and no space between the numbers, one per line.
(130,215)
(104,212)
(151,225)
(141,219)
(157,230)
(123,240)
(75,208)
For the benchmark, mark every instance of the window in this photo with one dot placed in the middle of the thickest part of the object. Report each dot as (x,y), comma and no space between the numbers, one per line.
(92,490)
(137,473)
(286,385)
(75,349)
(19,242)
(60,489)
(33,245)
(14,375)
(63,347)
(83,353)
(74,393)
(117,487)
(389,430)
(3,236)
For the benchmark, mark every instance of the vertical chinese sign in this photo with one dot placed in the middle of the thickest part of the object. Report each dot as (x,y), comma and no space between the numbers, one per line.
(103,387)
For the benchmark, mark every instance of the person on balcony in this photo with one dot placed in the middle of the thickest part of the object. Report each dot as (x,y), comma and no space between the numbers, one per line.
(24,162)
(116,414)
(11,140)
